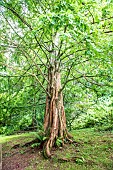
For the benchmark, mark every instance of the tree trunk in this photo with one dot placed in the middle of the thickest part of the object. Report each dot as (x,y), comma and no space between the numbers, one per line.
(55,120)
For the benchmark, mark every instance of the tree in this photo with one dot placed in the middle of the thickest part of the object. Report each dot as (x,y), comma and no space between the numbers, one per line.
(48,40)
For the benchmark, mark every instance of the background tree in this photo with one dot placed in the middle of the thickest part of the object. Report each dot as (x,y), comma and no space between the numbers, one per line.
(47,40)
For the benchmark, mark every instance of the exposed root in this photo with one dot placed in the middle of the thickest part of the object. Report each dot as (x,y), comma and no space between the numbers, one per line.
(51,142)
(30,143)
(69,135)
(26,144)
(70,140)
(72,159)
(16,146)
(46,149)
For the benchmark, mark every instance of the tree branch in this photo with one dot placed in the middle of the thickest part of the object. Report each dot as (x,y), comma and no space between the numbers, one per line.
(27,24)
(104,19)
(108,31)
(18,16)
(40,83)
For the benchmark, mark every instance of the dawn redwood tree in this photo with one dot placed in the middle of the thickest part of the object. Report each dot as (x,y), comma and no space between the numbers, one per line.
(59,40)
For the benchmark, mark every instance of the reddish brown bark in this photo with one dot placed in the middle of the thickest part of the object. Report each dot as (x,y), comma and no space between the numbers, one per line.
(55,120)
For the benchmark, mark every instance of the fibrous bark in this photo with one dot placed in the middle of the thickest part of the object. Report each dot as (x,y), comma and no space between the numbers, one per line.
(55,120)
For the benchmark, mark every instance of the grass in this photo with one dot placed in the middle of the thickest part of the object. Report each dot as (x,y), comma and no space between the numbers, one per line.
(94,152)
(97,149)
(4,139)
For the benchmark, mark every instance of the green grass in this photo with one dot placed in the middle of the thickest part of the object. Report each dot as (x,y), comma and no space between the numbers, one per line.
(94,152)
(4,139)
(97,148)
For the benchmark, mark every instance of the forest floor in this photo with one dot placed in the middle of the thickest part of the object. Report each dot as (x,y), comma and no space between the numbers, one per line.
(93,152)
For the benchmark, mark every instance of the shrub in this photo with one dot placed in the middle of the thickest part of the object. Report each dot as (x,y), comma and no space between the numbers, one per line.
(103,121)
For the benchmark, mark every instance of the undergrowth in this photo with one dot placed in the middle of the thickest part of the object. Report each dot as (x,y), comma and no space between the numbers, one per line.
(101,122)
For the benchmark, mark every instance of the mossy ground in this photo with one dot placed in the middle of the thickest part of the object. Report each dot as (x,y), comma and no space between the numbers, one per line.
(93,152)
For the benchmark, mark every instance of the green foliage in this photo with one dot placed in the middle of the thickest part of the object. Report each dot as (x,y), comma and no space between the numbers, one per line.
(58,142)
(17,110)
(83,48)
(102,121)
(40,136)
(40,139)
(80,160)
(35,145)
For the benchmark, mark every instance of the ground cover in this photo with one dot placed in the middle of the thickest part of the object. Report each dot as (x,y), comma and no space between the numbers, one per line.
(93,150)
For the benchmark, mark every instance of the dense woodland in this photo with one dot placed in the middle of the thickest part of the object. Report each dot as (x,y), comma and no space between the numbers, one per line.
(56,67)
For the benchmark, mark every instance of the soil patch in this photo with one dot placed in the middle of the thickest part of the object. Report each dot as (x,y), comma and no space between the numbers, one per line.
(19,158)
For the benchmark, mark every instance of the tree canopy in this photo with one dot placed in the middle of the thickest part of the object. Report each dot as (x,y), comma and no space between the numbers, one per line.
(79,31)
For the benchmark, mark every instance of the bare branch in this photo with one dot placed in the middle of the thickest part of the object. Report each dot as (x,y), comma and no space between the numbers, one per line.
(104,19)
(28,25)
(24,41)
(108,31)
(18,16)
(40,83)
(92,16)
(86,76)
